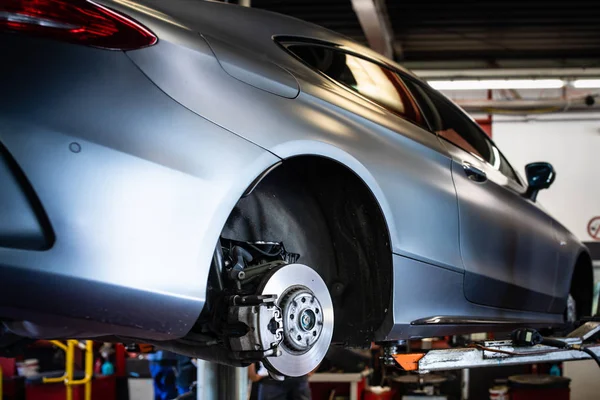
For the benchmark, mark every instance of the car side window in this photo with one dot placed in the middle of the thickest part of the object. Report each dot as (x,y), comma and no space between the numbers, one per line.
(373,81)
(457,129)
(451,124)
(427,107)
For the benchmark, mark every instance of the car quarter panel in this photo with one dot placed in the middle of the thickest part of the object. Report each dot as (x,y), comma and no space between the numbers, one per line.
(404,165)
(135,186)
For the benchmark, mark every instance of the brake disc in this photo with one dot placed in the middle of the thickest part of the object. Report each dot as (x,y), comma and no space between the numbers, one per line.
(307,314)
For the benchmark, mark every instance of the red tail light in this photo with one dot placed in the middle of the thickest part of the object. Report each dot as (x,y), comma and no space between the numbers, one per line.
(76,21)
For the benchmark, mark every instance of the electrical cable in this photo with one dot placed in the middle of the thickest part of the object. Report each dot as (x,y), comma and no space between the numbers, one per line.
(590,353)
(265,253)
(531,337)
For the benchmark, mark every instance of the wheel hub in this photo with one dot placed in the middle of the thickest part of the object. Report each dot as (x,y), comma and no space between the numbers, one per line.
(302,318)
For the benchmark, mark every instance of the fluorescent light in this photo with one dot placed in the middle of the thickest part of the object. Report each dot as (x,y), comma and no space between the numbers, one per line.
(586,83)
(498,84)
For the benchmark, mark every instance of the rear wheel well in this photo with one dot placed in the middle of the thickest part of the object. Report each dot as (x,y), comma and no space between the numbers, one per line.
(322,210)
(582,288)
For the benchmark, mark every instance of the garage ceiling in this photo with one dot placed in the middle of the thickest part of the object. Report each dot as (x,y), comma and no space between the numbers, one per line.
(336,15)
(451,34)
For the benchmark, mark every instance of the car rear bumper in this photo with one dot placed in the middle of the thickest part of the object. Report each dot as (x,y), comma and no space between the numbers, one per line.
(115,194)
(121,241)
(23,223)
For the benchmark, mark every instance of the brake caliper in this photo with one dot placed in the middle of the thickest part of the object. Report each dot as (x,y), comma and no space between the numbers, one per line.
(263,318)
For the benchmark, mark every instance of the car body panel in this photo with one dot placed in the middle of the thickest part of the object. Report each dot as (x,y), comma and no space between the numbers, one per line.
(135,208)
(22,224)
(507,242)
(440,292)
(570,250)
(254,71)
(354,128)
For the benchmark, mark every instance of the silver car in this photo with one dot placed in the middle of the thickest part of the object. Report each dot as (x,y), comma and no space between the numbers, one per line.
(238,185)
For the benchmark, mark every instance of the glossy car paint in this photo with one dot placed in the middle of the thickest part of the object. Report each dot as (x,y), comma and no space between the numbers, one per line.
(171,136)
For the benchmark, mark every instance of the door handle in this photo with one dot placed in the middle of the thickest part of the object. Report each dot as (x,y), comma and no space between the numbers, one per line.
(474,173)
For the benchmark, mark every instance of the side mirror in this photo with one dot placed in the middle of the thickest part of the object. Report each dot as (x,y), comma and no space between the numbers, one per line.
(540,175)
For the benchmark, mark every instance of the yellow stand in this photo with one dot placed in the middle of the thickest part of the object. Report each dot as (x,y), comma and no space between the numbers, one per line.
(67,377)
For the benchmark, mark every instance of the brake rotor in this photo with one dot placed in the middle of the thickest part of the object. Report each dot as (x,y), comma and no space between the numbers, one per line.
(307,313)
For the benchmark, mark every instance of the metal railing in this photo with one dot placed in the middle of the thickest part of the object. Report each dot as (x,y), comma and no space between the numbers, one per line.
(68,377)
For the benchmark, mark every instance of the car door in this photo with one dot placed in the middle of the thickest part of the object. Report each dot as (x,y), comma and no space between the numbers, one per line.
(508,244)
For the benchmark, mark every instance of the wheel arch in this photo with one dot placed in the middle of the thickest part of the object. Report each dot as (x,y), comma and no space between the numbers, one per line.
(310,148)
(359,270)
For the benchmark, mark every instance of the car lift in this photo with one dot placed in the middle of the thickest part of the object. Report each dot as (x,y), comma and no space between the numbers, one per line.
(215,382)
(218,381)
(505,352)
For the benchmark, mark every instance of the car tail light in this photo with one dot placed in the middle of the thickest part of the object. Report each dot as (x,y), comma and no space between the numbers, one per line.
(76,21)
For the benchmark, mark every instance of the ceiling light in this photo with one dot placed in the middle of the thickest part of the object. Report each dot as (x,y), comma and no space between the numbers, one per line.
(586,83)
(498,84)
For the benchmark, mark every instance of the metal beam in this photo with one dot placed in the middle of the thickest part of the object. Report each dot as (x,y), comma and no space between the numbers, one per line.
(215,381)
(375,23)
